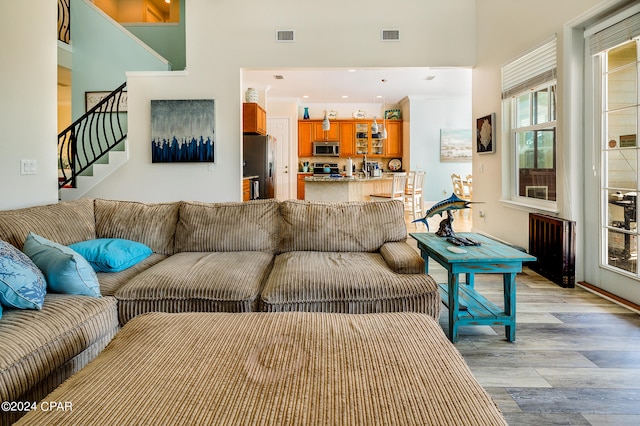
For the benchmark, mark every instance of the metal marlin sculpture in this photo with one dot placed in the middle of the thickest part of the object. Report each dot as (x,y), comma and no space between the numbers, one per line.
(452,203)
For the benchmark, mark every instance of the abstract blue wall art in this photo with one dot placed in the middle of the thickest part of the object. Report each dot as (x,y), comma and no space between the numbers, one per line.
(182,131)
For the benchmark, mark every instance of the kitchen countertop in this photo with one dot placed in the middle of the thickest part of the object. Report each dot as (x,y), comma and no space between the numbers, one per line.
(250,177)
(345,179)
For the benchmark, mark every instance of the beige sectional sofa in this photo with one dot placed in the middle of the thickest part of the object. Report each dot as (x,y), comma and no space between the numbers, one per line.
(207,257)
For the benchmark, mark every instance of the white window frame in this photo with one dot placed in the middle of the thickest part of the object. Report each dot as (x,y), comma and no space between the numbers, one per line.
(532,71)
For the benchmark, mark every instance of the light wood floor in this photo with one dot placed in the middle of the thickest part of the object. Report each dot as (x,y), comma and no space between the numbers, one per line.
(576,358)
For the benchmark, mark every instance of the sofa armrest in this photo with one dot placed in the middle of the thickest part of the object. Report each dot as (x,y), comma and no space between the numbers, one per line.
(402,258)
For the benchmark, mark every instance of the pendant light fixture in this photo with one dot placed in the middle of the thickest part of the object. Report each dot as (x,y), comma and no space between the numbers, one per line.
(326,125)
(383,133)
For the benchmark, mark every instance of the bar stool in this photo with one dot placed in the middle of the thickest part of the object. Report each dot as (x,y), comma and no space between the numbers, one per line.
(397,189)
(413,194)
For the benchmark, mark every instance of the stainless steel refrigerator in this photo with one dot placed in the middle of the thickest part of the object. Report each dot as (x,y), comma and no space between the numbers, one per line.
(259,160)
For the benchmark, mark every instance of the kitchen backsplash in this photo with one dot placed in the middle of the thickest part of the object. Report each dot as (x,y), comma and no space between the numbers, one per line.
(357,161)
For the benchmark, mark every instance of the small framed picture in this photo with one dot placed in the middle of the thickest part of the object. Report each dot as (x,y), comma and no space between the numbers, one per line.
(485,134)
(627,141)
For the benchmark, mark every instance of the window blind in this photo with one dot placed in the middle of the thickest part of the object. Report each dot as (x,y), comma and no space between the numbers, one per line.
(614,35)
(530,70)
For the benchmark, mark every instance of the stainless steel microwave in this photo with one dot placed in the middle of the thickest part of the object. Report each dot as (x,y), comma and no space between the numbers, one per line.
(326,149)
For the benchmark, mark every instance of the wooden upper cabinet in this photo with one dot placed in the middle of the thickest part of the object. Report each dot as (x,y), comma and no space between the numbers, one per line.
(305,138)
(347,139)
(393,143)
(254,119)
(333,134)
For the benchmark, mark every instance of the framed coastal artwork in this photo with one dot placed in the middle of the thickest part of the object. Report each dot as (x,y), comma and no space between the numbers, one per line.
(455,146)
(485,134)
(91,99)
(183,131)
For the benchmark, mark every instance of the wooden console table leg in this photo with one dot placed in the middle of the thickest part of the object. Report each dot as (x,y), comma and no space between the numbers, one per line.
(509,281)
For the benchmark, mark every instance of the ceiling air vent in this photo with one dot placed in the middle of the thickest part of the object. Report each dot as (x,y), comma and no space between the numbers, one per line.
(285,36)
(390,35)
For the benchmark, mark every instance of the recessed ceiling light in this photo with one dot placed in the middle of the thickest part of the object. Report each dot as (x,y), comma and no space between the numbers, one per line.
(379,96)
(345,96)
(305,96)
(352,70)
(278,77)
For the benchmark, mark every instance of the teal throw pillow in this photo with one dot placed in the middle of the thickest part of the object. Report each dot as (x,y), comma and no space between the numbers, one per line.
(112,254)
(22,284)
(65,270)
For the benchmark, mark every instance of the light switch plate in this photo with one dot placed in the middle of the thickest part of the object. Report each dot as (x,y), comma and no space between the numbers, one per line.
(28,167)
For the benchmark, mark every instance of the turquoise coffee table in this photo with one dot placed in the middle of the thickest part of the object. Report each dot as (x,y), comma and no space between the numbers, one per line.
(466,305)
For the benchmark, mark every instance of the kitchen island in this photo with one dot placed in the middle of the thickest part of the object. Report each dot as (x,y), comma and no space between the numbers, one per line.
(338,189)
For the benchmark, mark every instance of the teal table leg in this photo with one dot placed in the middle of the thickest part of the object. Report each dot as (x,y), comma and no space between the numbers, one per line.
(470,279)
(509,281)
(453,307)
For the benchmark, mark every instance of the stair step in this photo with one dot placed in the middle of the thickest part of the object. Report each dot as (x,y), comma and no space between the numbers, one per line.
(85,183)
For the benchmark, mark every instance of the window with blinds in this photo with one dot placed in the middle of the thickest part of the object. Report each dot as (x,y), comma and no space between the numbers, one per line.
(529,97)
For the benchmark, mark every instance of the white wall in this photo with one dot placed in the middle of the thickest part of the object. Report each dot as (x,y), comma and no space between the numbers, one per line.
(28,102)
(427,118)
(505,30)
(223,38)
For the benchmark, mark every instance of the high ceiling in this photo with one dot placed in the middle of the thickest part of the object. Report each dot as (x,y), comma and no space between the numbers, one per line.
(331,85)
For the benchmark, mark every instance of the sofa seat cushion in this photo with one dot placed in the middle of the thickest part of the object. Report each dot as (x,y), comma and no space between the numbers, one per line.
(36,343)
(293,368)
(345,282)
(197,282)
(110,282)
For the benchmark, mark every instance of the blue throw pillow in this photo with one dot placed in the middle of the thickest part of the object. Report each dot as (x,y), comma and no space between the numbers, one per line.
(112,254)
(22,284)
(65,270)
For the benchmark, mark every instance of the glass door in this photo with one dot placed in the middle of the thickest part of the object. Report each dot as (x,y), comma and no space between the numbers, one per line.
(620,157)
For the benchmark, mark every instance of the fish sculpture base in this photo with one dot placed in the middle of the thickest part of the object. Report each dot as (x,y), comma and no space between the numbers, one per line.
(445,229)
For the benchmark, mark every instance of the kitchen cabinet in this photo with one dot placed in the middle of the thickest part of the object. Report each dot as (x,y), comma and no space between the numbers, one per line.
(301,177)
(347,139)
(246,190)
(393,143)
(361,135)
(333,134)
(254,119)
(305,139)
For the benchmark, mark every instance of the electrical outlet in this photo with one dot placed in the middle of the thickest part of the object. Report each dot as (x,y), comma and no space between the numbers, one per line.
(480,168)
(444,192)
(481,215)
(211,167)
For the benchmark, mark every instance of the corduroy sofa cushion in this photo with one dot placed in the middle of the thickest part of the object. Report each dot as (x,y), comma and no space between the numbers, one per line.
(152,224)
(345,282)
(275,369)
(197,282)
(37,343)
(65,222)
(336,227)
(110,282)
(252,226)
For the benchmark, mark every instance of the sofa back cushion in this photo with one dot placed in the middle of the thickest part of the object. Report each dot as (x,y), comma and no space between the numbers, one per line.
(152,224)
(349,226)
(65,222)
(231,226)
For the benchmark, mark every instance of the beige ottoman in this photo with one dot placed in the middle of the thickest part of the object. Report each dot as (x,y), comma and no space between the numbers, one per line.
(274,369)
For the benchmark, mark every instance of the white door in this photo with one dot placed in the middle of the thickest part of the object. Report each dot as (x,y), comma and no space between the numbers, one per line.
(278,128)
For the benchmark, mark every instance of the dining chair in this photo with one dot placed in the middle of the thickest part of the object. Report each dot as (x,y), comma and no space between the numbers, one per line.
(397,189)
(413,194)
(467,184)
(458,189)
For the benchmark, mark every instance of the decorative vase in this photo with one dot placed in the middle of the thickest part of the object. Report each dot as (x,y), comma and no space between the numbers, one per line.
(251,96)
(306,113)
